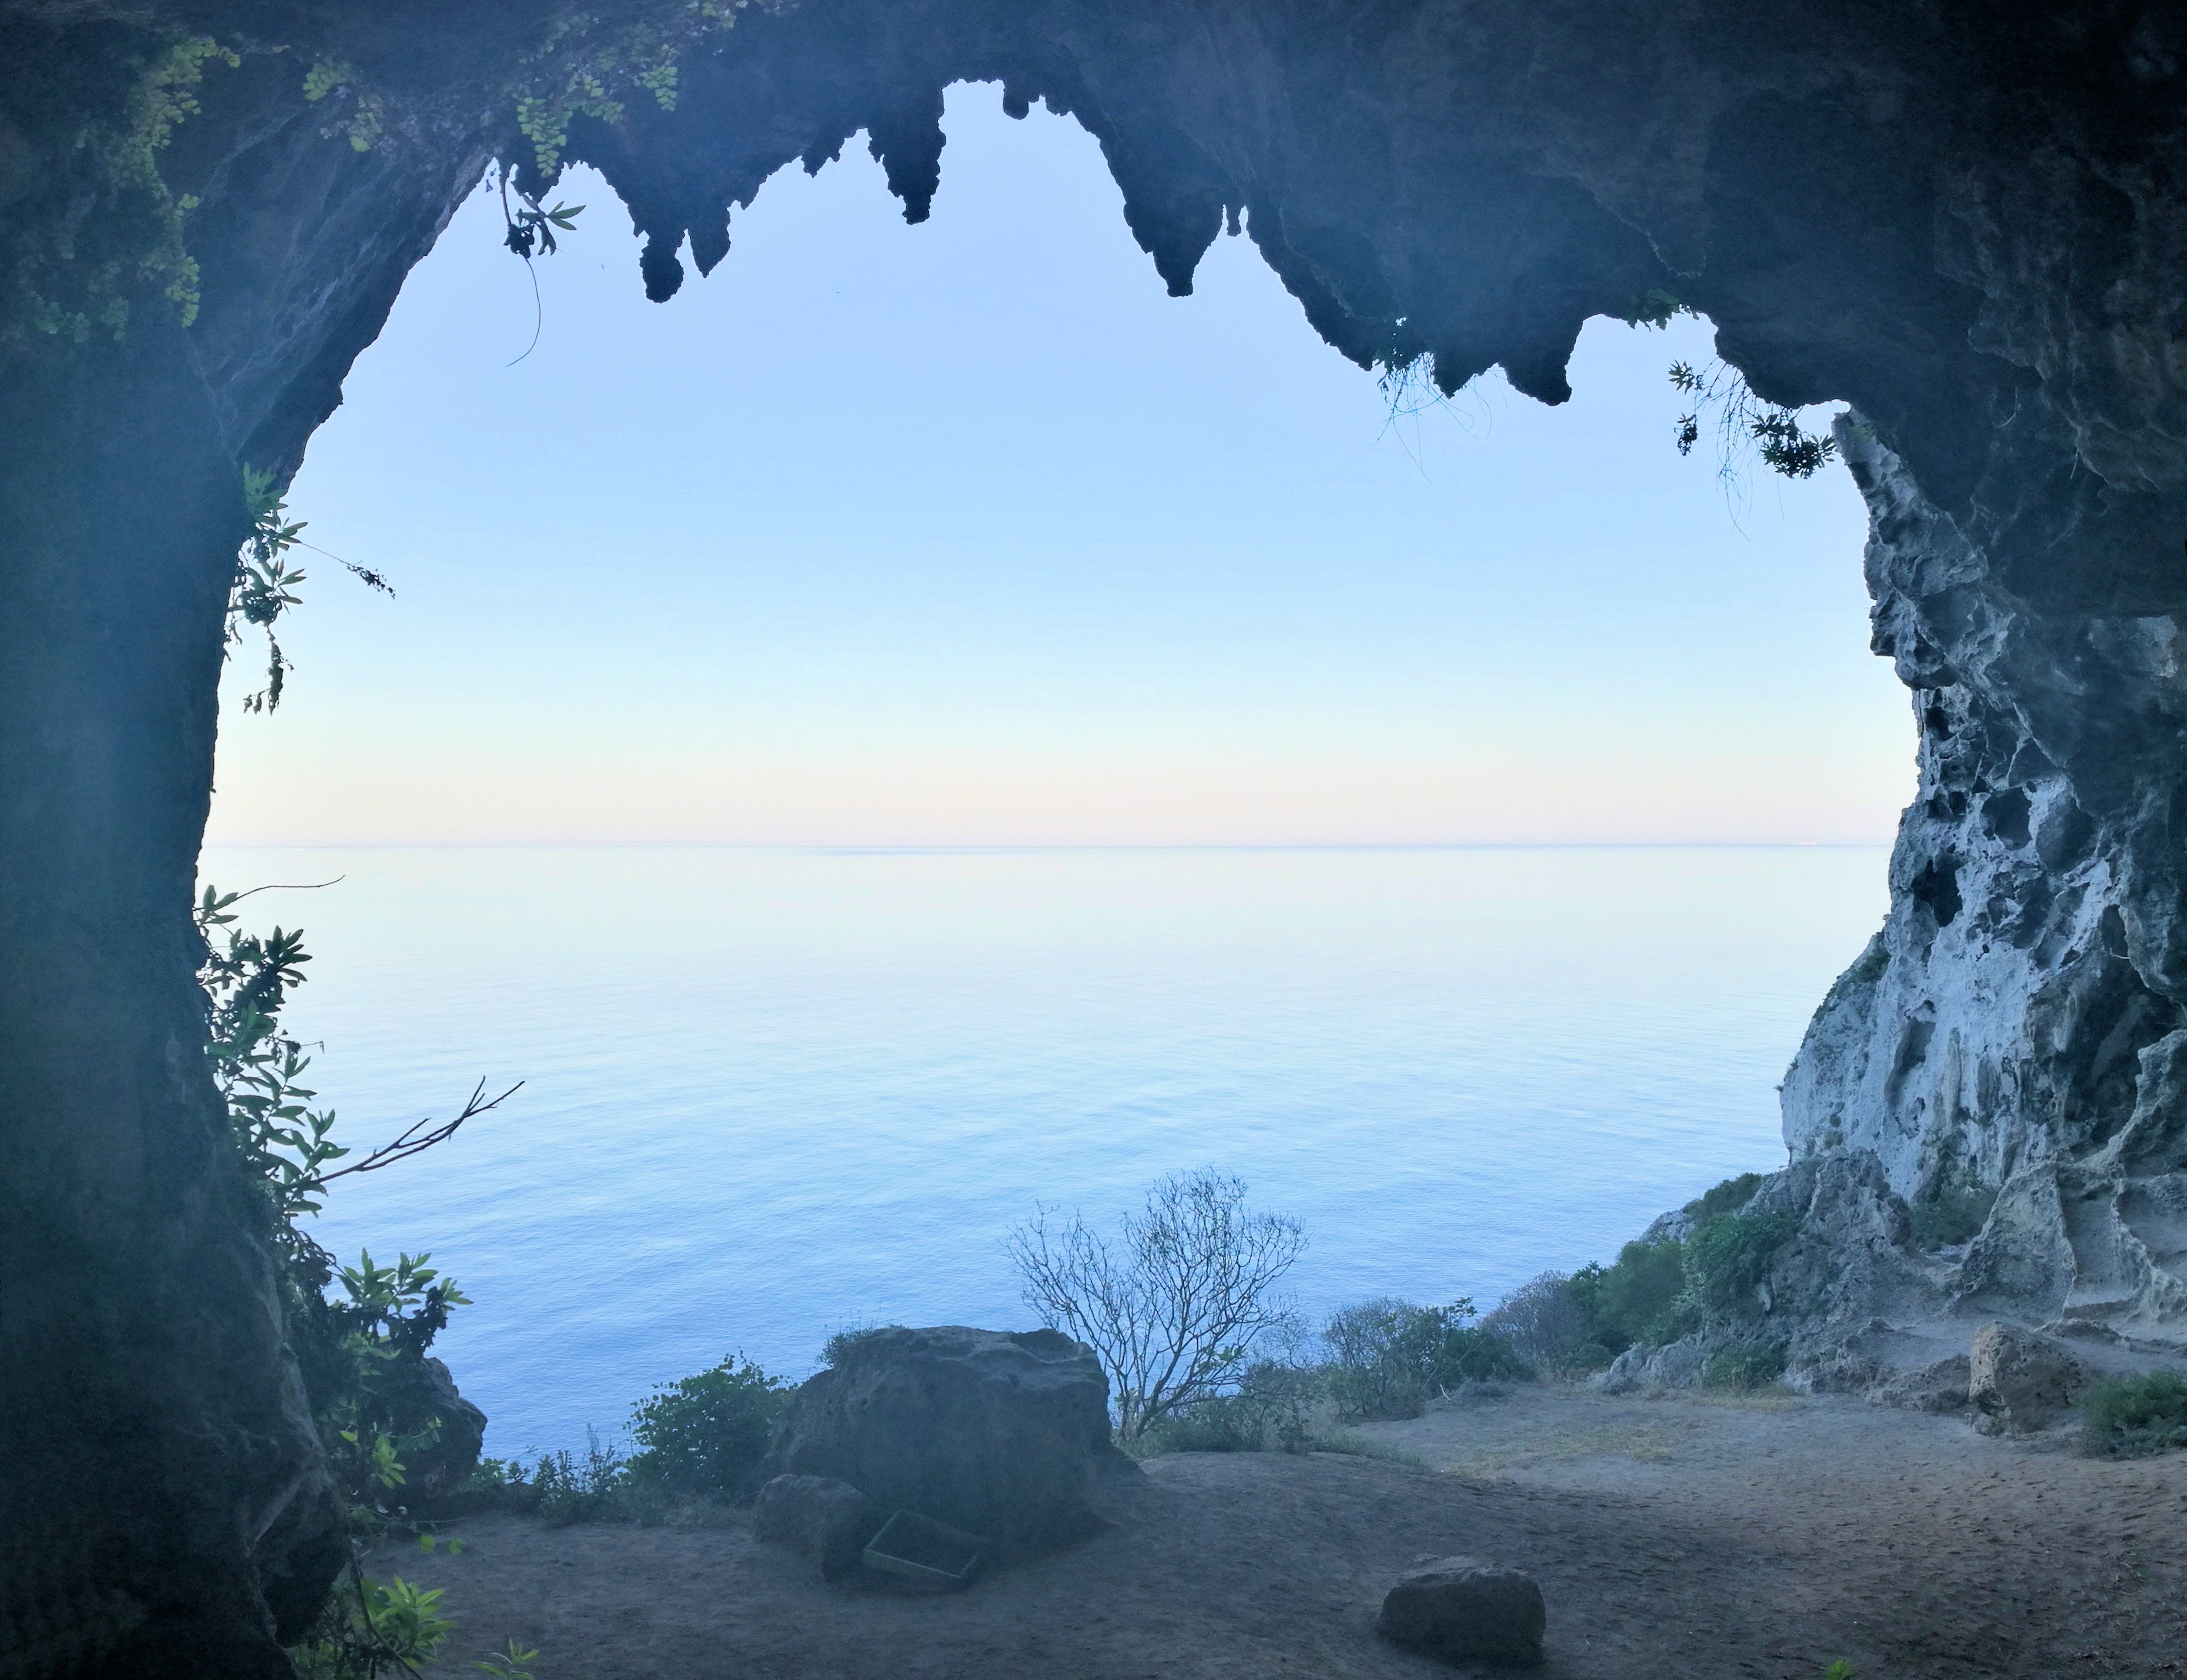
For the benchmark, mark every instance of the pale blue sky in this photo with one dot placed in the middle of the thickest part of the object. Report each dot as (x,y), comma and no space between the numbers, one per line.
(965,533)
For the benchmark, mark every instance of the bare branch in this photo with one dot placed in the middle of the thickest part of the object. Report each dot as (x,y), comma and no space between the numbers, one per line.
(1173,1311)
(416,1139)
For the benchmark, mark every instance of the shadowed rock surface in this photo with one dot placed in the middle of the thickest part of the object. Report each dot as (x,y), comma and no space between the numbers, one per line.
(825,1521)
(1463,1610)
(1964,221)
(2020,1380)
(996,1432)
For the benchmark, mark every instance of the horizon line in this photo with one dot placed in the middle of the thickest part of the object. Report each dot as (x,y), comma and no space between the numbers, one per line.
(977,846)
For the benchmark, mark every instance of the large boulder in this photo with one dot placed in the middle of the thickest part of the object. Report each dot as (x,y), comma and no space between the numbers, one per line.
(825,1520)
(1463,1610)
(2020,1380)
(425,1395)
(997,1432)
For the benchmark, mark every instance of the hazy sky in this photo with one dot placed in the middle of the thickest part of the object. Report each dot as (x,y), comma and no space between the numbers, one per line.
(965,533)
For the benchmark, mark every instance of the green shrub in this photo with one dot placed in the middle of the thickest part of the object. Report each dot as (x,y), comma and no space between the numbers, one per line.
(1744,1365)
(1274,1410)
(1728,1255)
(391,1627)
(1953,1215)
(705,1435)
(1550,1323)
(1393,1356)
(597,1487)
(2127,1417)
(838,1346)
(1728,1197)
(1637,1301)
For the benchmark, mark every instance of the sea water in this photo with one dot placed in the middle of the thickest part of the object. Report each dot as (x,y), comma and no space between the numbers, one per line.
(768,1094)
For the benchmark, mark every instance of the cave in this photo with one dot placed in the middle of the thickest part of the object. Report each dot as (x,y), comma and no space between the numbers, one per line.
(1965,222)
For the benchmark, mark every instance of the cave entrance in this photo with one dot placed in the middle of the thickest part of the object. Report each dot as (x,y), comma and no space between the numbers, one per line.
(964,536)
(1963,227)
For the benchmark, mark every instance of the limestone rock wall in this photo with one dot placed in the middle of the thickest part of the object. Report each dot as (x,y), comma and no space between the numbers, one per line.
(2008,1047)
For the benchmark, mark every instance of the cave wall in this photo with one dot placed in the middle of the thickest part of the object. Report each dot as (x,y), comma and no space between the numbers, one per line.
(1964,221)
(2007,1051)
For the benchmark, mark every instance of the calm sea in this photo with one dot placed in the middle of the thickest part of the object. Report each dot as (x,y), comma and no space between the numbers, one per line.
(771,1093)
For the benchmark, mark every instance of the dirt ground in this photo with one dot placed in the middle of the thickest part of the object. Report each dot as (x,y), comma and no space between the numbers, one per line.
(1672,1537)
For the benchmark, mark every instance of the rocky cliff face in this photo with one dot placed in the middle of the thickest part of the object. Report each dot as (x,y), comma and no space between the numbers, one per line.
(1965,220)
(2007,1051)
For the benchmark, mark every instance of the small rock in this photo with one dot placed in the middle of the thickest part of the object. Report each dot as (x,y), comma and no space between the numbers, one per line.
(2020,1380)
(826,1520)
(1463,1610)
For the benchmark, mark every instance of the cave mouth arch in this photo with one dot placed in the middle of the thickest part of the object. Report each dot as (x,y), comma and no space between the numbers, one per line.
(702,405)
(1667,520)
(1960,224)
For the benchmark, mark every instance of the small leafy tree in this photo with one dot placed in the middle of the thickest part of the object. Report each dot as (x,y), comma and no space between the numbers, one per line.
(1547,1325)
(1393,1356)
(1641,1298)
(707,1434)
(1172,1307)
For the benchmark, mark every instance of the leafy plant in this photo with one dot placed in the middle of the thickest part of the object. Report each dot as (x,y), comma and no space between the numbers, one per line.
(1744,1365)
(103,231)
(390,1627)
(1953,1215)
(1639,1298)
(1549,1324)
(1656,308)
(1274,1408)
(1392,1357)
(594,1488)
(258,1070)
(707,1434)
(1727,1256)
(1728,1197)
(1174,1307)
(360,1333)
(2129,1417)
(1745,422)
(587,66)
(838,1346)
(532,225)
(511,1662)
(265,584)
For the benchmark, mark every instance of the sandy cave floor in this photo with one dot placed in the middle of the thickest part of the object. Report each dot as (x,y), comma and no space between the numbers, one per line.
(1673,1537)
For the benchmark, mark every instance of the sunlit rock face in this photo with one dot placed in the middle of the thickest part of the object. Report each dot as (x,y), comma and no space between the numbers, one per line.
(1966,222)
(2008,1047)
